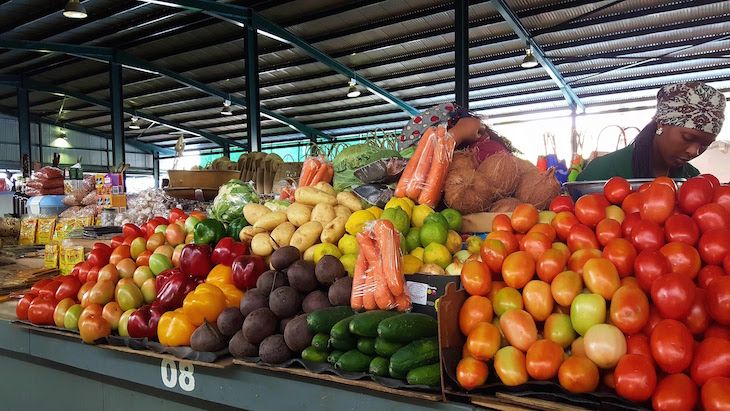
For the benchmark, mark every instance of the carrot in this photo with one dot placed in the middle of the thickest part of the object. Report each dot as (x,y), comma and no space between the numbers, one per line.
(358,283)
(377,285)
(320,175)
(330,173)
(415,185)
(431,193)
(309,169)
(400,190)
(393,272)
(403,302)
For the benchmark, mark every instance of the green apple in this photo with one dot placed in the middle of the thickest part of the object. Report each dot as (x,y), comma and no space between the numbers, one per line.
(142,274)
(123,320)
(149,290)
(129,296)
(138,245)
(559,329)
(190,223)
(546,216)
(59,314)
(71,320)
(159,263)
(586,311)
(161,229)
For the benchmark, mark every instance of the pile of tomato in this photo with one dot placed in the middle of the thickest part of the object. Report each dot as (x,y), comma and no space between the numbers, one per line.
(629,289)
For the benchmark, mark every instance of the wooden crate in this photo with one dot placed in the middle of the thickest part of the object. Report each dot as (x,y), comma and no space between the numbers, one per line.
(201,179)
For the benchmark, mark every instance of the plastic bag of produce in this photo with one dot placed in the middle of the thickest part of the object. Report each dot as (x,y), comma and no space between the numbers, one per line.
(352,158)
(383,171)
(378,281)
(424,176)
(375,194)
(277,205)
(48,172)
(314,170)
(232,196)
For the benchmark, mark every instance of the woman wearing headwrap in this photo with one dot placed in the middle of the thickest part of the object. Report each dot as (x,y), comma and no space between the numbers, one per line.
(689,117)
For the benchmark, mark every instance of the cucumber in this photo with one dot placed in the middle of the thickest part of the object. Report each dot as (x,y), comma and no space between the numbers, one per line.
(427,375)
(379,367)
(320,341)
(385,348)
(366,345)
(334,356)
(322,321)
(366,324)
(341,330)
(406,328)
(343,345)
(312,354)
(416,354)
(353,361)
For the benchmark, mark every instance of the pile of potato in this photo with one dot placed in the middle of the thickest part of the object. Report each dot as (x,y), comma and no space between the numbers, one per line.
(317,216)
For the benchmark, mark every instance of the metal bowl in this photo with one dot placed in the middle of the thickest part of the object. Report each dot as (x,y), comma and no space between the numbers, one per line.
(576,189)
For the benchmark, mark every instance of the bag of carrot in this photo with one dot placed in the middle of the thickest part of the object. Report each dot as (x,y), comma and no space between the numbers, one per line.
(378,282)
(315,170)
(423,179)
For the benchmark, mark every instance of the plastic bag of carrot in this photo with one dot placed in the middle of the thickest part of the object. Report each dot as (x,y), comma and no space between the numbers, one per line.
(423,179)
(378,281)
(315,170)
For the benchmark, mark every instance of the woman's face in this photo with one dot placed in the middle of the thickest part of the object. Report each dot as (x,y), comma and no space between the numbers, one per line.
(678,145)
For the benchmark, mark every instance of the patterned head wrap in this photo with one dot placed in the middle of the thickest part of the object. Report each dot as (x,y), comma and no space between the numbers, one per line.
(692,105)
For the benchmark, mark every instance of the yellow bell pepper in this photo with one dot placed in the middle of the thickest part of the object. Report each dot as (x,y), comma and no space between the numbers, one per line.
(174,329)
(233,295)
(206,302)
(219,275)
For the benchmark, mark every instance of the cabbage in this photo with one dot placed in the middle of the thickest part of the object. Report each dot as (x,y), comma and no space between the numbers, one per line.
(352,158)
(232,196)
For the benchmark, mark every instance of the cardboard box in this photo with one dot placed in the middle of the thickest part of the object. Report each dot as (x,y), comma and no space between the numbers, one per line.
(427,289)
(112,200)
(478,223)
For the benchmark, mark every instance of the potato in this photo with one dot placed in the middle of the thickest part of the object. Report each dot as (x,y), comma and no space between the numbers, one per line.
(306,235)
(349,200)
(324,213)
(299,214)
(281,236)
(326,187)
(260,244)
(308,255)
(333,231)
(312,196)
(342,211)
(271,220)
(252,212)
(248,233)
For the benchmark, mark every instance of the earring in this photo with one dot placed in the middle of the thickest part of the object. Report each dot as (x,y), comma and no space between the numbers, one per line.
(659,131)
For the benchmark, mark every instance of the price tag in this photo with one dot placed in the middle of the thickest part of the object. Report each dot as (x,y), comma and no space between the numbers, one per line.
(173,374)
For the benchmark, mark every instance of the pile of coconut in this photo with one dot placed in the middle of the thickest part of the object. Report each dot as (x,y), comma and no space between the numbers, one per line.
(499,184)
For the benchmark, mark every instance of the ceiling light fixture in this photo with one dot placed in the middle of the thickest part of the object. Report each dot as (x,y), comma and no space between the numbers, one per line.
(353,92)
(63,133)
(227,111)
(74,10)
(134,125)
(529,61)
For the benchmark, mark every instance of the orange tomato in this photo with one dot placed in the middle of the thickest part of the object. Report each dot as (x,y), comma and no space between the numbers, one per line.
(465,353)
(199,215)
(509,364)
(559,329)
(508,239)
(632,203)
(562,224)
(563,248)
(591,209)
(535,244)
(143,258)
(601,277)
(119,254)
(108,272)
(543,360)
(629,309)
(476,278)
(484,341)
(126,241)
(519,328)
(507,299)
(546,229)
(476,310)
(493,253)
(471,373)
(496,286)
(565,287)
(518,269)
(630,282)
(607,230)
(538,300)
(582,237)
(524,217)
(578,259)
(578,374)
(502,222)
(155,240)
(577,348)
(622,254)
(550,263)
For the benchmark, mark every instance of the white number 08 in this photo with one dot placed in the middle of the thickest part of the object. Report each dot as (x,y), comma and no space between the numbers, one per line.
(168,370)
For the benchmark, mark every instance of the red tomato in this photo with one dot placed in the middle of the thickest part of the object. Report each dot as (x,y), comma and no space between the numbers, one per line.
(665,181)
(632,203)
(127,241)
(629,309)
(99,257)
(622,254)
(671,345)
(476,278)
(471,373)
(673,294)
(517,270)
(131,230)
(714,245)
(550,263)
(475,310)
(635,377)
(49,290)
(683,259)
(711,359)
(519,328)
(657,204)
(21,310)
(562,203)
(718,299)
(117,240)
(578,374)
(537,300)
(580,237)
(694,193)
(535,244)
(647,234)
(509,364)
(524,217)
(715,395)
(648,266)
(546,229)
(639,344)
(161,220)
(590,209)
(726,263)
(562,223)
(40,310)
(483,341)
(616,190)
(607,230)
(543,359)
(681,228)
(711,216)
(175,214)
(507,238)
(627,226)
(493,253)
(69,288)
(714,181)
(654,317)
(717,331)
(502,222)
(709,273)
(676,392)
(698,318)
(722,197)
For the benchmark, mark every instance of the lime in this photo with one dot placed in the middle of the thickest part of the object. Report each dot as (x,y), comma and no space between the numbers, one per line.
(349,261)
(418,253)
(398,217)
(413,239)
(403,247)
(411,264)
(436,218)
(324,249)
(348,244)
(420,212)
(453,242)
(402,203)
(437,254)
(454,219)
(433,233)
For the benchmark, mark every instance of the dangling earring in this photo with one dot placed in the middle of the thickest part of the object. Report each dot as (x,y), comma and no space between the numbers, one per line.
(659,131)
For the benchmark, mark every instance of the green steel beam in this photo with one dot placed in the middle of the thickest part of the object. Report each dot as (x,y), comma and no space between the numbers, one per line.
(24,124)
(156,169)
(253,101)
(461,52)
(116,95)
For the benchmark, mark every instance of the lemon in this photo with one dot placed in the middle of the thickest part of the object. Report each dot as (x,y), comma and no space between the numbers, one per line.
(402,203)
(420,212)
(348,244)
(413,239)
(398,217)
(453,242)
(411,264)
(377,212)
(418,253)
(409,201)
(438,254)
(474,244)
(433,232)
(321,250)
(454,219)
(349,261)
(357,220)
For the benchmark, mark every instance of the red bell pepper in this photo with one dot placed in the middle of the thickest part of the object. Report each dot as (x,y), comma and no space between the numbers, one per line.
(131,230)
(227,250)
(143,322)
(99,257)
(246,269)
(195,260)
(69,288)
(175,286)
(49,290)
(38,286)
(40,311)
(175,214)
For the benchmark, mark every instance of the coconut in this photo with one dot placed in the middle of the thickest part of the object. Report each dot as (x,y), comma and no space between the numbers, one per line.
(466,192)
(463,159)
(505,205)
(538,189)
(501,173)
(526,167)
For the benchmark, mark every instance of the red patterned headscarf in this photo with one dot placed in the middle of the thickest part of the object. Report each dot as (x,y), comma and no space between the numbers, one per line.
(691,105)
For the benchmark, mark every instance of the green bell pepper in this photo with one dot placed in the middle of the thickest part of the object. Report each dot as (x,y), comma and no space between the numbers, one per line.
(234,228)
(209,231)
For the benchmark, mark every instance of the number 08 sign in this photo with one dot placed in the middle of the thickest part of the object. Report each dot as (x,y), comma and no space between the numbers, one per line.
(173,375)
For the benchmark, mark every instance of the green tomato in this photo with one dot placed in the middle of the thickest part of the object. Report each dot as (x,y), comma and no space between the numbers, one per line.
(190,223)
(161,228)
(71,320)
(123,321)
(159,263)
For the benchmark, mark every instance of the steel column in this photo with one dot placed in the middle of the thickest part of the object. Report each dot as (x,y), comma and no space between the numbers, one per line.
(156,168)
(227,150)
(461,34)
(117,109)
(24,124)
(253,102)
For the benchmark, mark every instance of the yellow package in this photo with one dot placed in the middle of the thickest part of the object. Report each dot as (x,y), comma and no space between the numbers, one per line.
(50,256)
(28,231)
(63,226)
(45,230)
(72,256)
(87,221)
